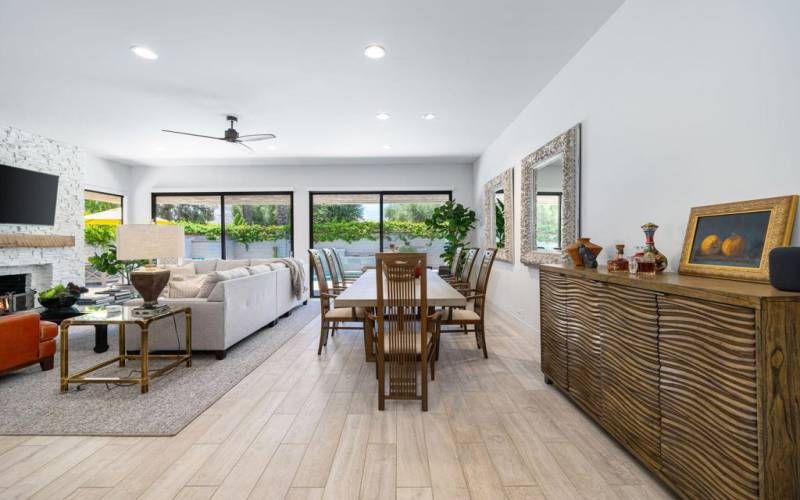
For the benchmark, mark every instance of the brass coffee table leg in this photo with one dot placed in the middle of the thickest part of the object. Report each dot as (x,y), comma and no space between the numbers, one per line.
(145,379)
(64,357)
(122,344)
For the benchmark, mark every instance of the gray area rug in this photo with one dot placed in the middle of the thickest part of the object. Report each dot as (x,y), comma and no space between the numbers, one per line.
(31,404)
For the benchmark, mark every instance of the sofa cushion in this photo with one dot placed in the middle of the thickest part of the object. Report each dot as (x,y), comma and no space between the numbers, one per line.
(184,289)
(205,266)
(184,270)
(225,265)
(260,262)
(261,269)
(212,279)
(277,265)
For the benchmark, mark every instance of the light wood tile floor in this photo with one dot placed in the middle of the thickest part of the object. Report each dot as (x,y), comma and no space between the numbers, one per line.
(307,427)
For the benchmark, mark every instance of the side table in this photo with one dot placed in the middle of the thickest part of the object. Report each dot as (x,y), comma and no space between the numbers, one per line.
(121,319)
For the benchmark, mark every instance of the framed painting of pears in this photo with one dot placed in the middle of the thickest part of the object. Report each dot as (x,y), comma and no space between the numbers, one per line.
(733,240)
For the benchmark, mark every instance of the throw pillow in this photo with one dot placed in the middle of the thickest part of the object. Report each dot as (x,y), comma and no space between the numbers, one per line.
(205,266)
(225,265)
(260,269)
(184,270)
(211,279)
(184,289)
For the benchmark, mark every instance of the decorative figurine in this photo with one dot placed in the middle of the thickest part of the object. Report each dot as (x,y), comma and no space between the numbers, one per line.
(574,250)
(588,257)
(650,247)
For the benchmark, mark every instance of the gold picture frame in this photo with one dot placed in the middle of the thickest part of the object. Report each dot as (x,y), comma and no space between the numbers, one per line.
(733,240)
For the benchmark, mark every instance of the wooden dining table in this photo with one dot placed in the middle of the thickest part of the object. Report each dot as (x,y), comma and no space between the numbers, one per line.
(363,293)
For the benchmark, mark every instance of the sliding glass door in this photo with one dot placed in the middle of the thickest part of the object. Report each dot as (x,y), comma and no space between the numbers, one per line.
(229,225)
(360,224)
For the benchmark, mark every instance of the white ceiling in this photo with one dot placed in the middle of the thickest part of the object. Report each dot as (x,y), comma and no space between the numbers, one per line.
(293,68)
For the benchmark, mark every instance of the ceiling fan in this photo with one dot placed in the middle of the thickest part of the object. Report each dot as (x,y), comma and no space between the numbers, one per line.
(231,135)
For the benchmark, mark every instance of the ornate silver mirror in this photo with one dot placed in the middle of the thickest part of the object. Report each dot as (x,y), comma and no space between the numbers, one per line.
(551,199)
(498,215)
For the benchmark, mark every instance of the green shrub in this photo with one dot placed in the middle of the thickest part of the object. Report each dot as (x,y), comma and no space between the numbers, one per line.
(99,235)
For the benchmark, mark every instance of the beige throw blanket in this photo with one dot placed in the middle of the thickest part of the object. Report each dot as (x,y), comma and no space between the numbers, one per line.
(298,275)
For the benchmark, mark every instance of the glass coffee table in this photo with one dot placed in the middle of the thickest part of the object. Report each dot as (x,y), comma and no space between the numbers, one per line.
(122,317)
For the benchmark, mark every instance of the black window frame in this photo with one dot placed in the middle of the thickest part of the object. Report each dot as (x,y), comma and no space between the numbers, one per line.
(560,206)
(222,195)
(121,201)
(380,194)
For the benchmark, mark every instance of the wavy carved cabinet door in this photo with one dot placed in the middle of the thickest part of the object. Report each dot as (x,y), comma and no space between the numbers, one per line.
(584,348)
(553,297)
(631,410)
(709,444)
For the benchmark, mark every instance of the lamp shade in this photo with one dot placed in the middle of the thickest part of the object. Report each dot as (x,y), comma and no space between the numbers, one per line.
(149,241)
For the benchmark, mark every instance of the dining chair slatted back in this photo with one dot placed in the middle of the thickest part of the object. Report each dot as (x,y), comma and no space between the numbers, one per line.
(315,259)
(482,280)
(402,326)
(456,261)
(339,265)
(469,264)
(336,278)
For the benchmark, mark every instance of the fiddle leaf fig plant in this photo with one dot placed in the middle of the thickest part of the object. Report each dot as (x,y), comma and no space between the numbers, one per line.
(452,222)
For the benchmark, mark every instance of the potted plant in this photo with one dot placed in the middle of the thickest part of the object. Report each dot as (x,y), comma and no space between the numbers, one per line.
(451,222)
(107,262)
(60,296)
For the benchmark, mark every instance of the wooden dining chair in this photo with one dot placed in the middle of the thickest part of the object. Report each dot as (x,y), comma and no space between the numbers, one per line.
(452,271)
(337,279)
(406,334)
(473,319)
(462,281)
(331,317)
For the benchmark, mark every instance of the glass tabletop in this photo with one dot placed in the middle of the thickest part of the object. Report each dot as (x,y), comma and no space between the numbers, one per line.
(121,314)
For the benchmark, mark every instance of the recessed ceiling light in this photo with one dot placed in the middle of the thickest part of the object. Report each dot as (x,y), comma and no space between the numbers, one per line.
(387,146)
(374,51)
(144,52)
(428,116)
(383,116)
(272,147)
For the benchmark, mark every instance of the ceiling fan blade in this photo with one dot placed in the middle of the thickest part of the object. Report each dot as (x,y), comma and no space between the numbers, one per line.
(193,135)
(256,137)
(245,146)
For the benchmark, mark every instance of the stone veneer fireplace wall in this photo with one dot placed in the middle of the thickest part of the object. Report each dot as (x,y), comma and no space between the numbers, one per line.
(46,265)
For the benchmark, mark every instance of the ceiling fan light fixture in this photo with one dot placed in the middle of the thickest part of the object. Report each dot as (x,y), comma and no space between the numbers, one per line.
(144,52)
(374,51)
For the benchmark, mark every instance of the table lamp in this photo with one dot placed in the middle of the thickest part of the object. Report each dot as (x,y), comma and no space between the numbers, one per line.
(149,241)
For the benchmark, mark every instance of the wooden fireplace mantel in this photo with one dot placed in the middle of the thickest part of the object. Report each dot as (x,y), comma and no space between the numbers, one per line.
(36,241)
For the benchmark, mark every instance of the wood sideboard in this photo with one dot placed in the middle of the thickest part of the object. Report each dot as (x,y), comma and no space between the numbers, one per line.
(698,378)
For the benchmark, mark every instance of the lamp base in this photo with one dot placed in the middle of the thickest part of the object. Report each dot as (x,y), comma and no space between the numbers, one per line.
(149,282)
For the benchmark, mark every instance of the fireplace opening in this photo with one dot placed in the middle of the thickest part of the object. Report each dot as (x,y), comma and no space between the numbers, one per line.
(15,288)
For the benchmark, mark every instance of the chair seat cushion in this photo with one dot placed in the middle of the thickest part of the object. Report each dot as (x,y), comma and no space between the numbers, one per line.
(345,313)
(463,315)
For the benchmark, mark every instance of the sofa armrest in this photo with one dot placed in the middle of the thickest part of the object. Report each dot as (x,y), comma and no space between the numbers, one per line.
(47,331)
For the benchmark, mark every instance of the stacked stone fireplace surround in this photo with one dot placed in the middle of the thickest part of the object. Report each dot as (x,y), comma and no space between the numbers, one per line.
(46,266)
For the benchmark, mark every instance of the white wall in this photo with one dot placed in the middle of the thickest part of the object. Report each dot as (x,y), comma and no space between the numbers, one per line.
(298,178)
(682,104)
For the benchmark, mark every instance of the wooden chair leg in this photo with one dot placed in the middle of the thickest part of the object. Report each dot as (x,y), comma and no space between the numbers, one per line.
(333,330)
(424,381)
(381,380)
(483,340)
(321,337)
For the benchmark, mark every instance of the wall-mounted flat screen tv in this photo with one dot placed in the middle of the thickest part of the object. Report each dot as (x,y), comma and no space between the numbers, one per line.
(27,197)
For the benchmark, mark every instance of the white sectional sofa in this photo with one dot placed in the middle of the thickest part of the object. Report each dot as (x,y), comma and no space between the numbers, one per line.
(236,309)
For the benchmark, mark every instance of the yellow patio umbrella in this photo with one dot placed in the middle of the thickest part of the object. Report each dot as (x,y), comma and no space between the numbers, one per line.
(112,217)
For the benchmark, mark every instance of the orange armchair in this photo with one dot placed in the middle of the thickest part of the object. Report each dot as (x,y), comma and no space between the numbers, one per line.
(24,340)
